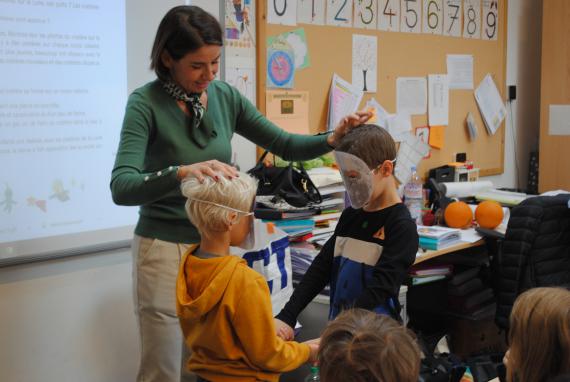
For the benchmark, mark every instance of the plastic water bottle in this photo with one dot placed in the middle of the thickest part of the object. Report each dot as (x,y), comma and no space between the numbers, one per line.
(413,196)
(314,376)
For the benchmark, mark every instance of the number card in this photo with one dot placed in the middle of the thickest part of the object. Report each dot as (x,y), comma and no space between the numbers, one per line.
(282,12)
(339,13)
(365,14)
(411,16)
(472,19)
(452,18)
(490,19)
(311,12)
(433,16)
(389,15)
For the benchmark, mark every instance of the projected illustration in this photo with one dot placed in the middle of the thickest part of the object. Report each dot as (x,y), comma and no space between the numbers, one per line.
(39,203)
(59,192)
(8,200)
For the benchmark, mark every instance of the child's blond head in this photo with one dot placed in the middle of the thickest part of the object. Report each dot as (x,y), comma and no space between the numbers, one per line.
(237,194)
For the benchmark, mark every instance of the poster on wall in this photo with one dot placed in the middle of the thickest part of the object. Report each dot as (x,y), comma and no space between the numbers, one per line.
(239,33)
(364,62)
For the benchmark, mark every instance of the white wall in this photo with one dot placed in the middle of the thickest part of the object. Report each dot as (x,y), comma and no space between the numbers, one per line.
(523,70)
(68,320)
(72,319)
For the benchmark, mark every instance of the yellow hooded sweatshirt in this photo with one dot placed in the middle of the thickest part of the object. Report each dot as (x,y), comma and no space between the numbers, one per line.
(225,314)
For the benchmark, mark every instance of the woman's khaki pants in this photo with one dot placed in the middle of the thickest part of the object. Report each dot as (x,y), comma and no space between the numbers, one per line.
(163,353)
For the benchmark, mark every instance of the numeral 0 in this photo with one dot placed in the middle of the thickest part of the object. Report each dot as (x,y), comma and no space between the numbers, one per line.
(284,7)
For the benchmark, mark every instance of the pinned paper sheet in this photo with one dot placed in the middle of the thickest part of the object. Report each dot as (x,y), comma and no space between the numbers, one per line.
(472,19)
(282,12)
(364,62)
(411,95)
(280,65)
(438,100)
(436,136)
(288,110)
(298,43)
(399,126)
(460,71)
(471,126)
(311,12)
(490,104)
(559,120)
(379,114)
(344,99)
(411,152)
(422,133)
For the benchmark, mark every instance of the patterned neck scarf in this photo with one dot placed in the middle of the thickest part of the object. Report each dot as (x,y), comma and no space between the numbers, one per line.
(200,132)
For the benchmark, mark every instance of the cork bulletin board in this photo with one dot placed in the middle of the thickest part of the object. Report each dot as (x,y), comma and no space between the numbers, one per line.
(400,54)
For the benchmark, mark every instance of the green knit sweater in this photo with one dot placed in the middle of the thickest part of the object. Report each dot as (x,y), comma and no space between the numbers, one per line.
(155,139)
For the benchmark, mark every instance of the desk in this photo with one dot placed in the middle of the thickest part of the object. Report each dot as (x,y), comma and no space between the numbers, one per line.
(433,313)
(429,254)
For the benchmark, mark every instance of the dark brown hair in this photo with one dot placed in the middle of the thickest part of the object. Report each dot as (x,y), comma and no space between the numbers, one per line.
(539,335)
(370,143)
(182,30)
(362,346)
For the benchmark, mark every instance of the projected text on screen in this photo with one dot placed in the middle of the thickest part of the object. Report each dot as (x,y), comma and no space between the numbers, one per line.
(62,98)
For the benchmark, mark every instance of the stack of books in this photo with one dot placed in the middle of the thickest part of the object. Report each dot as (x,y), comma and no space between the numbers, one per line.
(423,274)
(437,237)
(302,255)
(296,229)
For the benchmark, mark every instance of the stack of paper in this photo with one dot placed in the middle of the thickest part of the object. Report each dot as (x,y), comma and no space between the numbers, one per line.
(436,237)
(508,198)
(302,255)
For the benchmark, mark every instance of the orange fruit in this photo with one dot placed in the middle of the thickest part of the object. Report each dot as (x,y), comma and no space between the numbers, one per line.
(458,215)
(489,214)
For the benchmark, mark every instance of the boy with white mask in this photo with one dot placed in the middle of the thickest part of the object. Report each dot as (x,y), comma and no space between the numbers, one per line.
(375,240)
(224,307)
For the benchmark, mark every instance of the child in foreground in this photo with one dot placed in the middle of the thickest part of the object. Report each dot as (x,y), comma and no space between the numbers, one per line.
(539,336)
(224,306)
(363,346)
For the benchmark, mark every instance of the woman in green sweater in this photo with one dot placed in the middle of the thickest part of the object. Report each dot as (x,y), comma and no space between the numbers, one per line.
(176,126)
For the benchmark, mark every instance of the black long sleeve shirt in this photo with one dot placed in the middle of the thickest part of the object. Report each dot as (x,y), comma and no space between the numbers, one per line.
(365,261)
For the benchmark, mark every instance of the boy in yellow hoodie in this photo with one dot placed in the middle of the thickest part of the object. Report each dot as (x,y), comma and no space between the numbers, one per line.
(224,306)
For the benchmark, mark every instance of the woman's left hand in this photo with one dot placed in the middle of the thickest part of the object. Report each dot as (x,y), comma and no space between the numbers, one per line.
(346,124)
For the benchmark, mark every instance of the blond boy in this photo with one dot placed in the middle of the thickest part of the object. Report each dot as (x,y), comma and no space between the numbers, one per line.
(224,307)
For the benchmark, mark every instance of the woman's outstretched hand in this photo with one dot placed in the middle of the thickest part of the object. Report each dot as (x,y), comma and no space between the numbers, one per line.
(346,124)
(211,168)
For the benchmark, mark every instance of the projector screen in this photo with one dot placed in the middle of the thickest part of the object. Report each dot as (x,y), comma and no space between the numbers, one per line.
(63,90)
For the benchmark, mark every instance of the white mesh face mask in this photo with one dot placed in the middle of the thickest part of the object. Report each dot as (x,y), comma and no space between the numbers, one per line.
(356,176)
(249,240)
